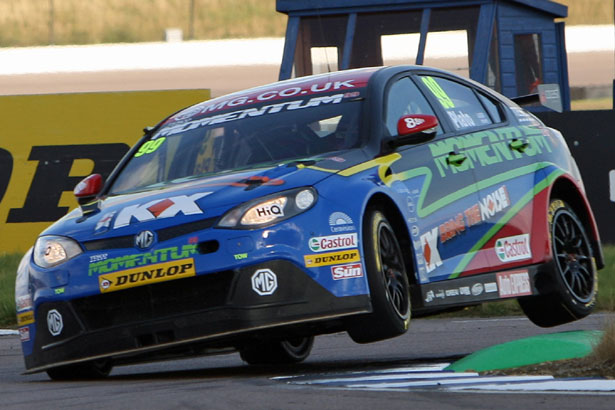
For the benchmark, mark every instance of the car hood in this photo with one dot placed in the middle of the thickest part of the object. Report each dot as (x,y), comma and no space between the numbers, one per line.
(194,199)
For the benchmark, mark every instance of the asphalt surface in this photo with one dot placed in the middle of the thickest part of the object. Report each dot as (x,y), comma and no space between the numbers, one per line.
(225,382)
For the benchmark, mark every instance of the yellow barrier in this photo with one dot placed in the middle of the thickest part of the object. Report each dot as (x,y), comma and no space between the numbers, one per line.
(48,143)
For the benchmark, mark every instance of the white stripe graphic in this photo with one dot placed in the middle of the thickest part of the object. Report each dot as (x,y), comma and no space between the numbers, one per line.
(432,376)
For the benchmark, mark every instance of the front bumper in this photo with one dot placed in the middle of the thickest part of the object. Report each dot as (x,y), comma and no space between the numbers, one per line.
(186,316)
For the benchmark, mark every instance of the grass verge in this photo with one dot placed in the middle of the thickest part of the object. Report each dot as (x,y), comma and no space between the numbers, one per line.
(605,103)
(34,23)
(42,22)
(8,271)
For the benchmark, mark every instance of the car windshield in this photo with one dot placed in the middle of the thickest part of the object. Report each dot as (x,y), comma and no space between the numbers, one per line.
(260,136)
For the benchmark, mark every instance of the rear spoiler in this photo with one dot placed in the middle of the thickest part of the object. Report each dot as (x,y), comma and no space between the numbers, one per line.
(548,95)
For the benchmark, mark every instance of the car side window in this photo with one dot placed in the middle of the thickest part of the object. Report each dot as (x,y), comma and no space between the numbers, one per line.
(492,107)
(404,98)
(459,102)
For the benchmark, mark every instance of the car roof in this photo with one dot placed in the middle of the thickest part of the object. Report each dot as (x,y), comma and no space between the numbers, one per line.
(340,81)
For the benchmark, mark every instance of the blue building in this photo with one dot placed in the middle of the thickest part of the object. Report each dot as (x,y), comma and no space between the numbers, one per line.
(511,46)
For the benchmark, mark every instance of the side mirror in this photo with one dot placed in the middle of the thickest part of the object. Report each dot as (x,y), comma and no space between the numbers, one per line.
(88,188)
(415,128)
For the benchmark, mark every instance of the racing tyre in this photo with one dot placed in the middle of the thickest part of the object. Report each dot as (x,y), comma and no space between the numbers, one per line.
(575,279)
(388,284)
(97,369)
(277,351)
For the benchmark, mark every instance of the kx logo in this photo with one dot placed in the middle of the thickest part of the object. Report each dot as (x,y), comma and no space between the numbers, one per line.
(429,240)
(165,208)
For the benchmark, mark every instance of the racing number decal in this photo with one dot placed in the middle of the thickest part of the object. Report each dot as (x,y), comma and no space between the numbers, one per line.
(438,92)
(150,146)
(413,122)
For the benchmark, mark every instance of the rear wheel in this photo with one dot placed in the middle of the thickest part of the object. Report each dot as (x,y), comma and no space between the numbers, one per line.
(388,283)
(575,279)
(277,351)
(97,369)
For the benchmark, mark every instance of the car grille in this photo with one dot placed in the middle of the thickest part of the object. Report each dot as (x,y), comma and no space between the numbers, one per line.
(156,301)
(164,234)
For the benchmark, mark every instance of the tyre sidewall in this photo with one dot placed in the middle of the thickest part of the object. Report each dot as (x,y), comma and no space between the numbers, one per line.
(577,307)
(381,303)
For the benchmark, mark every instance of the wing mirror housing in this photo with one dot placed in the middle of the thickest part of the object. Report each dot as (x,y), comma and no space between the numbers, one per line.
(414,129)
(86,192)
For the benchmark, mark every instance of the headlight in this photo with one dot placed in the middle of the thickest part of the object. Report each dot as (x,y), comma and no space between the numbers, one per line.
(270,209)
(51,250)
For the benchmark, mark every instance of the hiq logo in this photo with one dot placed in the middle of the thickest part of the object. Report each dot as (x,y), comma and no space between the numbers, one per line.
(269,210)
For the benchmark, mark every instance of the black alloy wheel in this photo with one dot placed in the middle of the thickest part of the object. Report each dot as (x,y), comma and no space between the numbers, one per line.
(393,271)
(573,256)
(388,283)
(573,283)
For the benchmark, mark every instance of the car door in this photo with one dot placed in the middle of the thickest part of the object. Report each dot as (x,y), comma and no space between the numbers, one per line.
(499,223)
(436,180)
(512,184)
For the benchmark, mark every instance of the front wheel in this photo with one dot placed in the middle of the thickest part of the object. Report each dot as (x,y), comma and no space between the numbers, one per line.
(277,351)
(388,284)
(575,278)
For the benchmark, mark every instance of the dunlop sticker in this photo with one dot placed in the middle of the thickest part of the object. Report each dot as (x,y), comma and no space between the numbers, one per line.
(146,275)
(332,258)
(25,318)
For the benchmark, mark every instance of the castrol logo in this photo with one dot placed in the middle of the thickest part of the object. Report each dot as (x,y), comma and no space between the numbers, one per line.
(513,248)
(333,242)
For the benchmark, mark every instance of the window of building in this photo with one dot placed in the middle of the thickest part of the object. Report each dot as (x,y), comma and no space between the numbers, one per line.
(319,44)
(528,63)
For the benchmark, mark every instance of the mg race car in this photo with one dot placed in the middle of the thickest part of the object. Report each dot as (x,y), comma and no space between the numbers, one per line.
(338,202)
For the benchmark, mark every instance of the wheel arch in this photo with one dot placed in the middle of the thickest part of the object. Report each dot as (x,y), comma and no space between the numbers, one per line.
(569,191)
(391,211)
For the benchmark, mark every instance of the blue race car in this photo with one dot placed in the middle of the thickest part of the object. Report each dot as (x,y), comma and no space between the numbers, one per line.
(337,202)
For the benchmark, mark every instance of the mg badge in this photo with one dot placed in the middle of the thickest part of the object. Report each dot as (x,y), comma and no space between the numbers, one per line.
(144,239)
(54,322)
(264,282)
